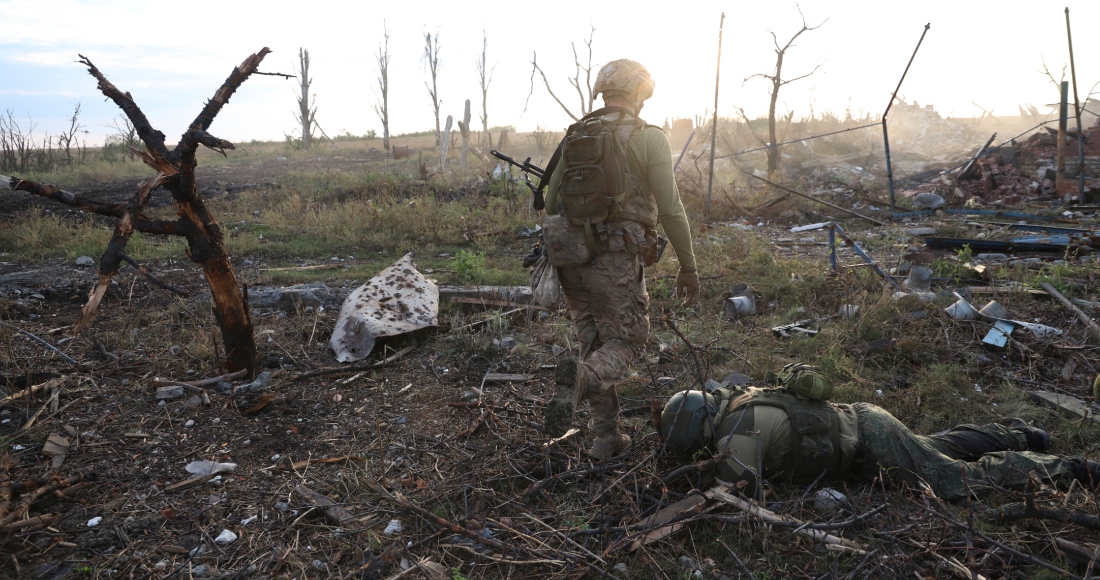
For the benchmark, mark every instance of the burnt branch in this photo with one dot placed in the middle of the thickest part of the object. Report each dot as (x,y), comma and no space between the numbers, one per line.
(140,268)
(70,199)
(112,256)
(152,138)
(284,75)
(239,75)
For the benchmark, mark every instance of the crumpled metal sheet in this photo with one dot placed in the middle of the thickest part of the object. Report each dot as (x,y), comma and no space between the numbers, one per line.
(398,300)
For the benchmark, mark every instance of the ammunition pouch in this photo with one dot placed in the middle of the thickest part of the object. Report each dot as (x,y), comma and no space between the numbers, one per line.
(565,244)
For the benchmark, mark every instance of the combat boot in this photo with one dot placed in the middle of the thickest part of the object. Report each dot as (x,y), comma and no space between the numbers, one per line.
(1087,472)
(1037,439)
(571,384)
(609,445)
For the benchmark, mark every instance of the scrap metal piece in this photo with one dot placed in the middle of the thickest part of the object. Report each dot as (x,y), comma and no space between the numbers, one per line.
(998,335)
(398,300)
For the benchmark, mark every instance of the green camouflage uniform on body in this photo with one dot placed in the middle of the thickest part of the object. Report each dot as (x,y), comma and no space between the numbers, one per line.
(860,441)
(606,295)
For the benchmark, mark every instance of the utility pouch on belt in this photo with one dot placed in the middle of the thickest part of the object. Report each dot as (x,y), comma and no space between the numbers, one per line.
(564,243)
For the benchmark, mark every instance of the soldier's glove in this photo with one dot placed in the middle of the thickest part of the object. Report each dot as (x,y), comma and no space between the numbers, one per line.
(687,285)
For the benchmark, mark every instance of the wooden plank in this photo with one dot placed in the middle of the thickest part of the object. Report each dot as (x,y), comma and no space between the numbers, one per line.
(187,483)
(692,503)
(295,268)
(1006,290)
(498,303)
(518,295)
(1071,406)
(506,378)
(332,510)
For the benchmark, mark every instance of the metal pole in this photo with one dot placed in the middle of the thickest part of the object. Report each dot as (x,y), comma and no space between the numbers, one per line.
(885,135)
(1077,111)
(682,152)
(1063,116)
(714,128)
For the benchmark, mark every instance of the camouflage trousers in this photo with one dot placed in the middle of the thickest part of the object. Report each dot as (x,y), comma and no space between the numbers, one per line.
(948,468)
(608,305)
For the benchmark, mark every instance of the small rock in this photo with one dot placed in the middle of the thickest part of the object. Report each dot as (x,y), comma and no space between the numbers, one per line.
(282,506)
(620,568)
(556,350)
(921,231)
(174,350)
(189,423)
(665,381)
(202,571)
(507,342)
(226,537)
(165,393)
(828,500)
(320,565)
(194,401)
(94,522)
(928,200)
(394,527)
(85,261)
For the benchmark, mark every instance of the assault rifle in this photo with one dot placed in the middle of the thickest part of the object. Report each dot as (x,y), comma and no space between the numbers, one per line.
(528,169)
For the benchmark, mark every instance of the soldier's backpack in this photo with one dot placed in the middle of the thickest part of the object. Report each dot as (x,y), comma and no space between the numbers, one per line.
(806,381)
(595,177)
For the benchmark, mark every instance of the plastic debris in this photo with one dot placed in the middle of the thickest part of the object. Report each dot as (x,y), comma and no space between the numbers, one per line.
(394,527)
(209,467)
(397,300)
(94,522)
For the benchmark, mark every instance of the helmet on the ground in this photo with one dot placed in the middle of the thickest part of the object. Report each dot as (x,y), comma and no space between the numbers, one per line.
(684,421)
(624,76)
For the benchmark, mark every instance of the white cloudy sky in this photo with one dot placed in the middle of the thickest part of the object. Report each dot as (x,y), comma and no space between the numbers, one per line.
(173,55)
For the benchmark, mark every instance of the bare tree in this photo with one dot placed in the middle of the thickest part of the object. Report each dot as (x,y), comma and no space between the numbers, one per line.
(125,134)
(778,82)
(382,107)
(307,110)
(68,138)
(431,60)
(584,92)
(486,76)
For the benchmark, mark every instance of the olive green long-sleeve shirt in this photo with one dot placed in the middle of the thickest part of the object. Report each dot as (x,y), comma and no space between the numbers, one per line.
(649,155)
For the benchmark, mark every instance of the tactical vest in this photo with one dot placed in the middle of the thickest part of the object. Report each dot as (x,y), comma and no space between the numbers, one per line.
(598,186)
(814,424)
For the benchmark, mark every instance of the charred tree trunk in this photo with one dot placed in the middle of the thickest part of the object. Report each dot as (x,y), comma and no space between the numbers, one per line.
(176,173)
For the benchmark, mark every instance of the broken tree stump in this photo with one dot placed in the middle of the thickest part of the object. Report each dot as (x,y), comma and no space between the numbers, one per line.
(176,173)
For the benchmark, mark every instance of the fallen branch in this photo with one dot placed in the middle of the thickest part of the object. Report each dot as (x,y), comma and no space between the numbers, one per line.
(40,341)
(332,510)
(719,493)
(1093,328)
(352,369)
(1020,511)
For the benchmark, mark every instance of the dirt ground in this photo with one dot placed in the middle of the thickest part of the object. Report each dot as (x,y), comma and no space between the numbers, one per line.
(425,440)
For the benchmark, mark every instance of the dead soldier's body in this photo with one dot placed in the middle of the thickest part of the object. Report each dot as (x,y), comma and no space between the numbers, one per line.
(796,438)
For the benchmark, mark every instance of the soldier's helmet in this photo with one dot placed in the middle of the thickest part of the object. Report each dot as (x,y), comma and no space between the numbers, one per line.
(623,76)
(684,421)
